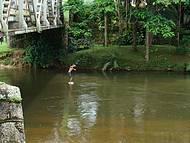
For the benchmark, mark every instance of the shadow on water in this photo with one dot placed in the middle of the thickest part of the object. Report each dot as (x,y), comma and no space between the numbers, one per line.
(104,108)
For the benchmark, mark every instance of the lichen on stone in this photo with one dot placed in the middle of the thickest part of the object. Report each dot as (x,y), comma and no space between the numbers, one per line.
(9,93)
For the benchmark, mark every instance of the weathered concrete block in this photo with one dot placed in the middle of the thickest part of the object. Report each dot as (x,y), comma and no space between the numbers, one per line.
(9,93)
(12,132)
(11,115)
(10,111)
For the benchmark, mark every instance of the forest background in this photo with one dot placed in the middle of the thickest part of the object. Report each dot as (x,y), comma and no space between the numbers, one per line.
(119,35)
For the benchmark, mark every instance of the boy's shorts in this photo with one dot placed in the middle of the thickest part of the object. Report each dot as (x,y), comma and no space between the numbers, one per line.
(69,73)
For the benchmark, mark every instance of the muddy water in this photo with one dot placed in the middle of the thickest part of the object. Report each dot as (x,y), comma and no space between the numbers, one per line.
(104,108)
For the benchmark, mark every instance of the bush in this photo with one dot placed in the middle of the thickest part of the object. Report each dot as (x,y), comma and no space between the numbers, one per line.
(126,38)
(79,37)
(8,61)
(85,60)
(78,44)
(40,54)
(184,45)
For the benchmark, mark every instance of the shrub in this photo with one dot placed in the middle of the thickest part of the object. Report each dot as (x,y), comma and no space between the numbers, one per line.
(126,38)
(184,45)
(40,54)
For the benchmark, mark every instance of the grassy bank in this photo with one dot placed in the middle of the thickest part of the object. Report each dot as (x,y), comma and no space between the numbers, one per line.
(4,49)
(10,56)
(162,57)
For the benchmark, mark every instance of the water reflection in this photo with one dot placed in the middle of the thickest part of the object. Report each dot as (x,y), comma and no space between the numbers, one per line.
(87,104)
(73,126)
(86,109)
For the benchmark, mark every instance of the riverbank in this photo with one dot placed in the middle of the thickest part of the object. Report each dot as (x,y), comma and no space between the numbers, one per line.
(11,57)
(111,58)
(116,58)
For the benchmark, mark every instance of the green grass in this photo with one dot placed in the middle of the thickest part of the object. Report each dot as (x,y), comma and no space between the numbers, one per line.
(4,48)
(7,54)
(162,57)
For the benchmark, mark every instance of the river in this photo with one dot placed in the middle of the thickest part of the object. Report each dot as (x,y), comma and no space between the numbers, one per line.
(125,107)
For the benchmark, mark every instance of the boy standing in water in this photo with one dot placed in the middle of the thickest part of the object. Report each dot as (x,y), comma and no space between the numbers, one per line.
(71,68)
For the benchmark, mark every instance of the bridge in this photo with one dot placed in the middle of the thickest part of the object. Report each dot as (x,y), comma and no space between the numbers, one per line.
(25,16)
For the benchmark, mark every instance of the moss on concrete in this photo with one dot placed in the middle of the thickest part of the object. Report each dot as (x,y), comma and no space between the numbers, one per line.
(9,93)
(13,99)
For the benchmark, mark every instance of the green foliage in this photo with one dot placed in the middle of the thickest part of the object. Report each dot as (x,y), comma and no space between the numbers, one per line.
(169,2)
(8,61)
(163,57)
(158,63)
(157,17)
(73,6)
(156,23)
(184,45)
(111,63)
(126,38)
(105,6)
(85,59)
(79,36)
(13,99)
(4,48)
(40,54)
(100,8)
(185,42)
(79,32)
(187,67)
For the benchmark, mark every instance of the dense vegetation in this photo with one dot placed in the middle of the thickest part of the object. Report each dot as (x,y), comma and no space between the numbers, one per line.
(119,34)
(124,22)
(123,58)
(10,56)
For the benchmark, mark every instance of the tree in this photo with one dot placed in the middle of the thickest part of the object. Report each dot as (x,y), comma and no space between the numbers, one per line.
(104,8)
(136,4)
(79,32)
(180,13)
(154,23)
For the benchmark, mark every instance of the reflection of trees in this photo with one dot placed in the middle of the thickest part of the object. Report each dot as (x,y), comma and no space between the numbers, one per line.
(88,109)
(74,126)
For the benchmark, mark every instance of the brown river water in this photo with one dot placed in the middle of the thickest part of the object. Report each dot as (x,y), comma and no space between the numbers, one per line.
(123,107)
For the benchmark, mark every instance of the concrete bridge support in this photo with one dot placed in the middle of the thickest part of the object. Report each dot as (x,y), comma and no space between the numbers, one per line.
(11,115)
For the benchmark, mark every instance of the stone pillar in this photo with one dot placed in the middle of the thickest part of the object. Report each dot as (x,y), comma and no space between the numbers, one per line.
(11,115)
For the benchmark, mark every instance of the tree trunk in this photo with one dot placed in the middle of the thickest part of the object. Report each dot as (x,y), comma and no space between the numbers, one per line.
(71,18)
(117,6)
(179,25)
(105,30)
(147,46)
(134,44)
(126,14)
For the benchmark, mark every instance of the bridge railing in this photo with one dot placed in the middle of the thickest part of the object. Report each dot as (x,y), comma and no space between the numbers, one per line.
(23,16)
